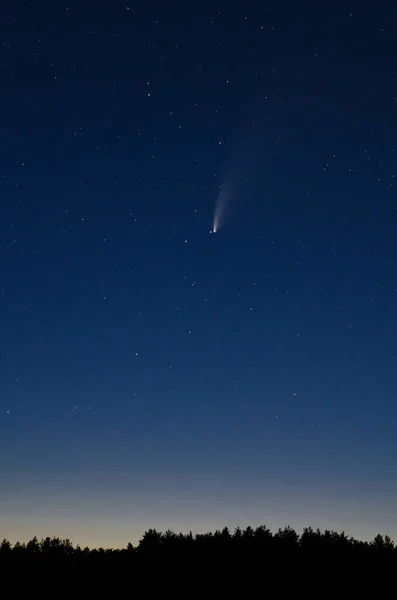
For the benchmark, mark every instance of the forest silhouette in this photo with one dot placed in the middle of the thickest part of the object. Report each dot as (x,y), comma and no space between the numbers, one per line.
(250,545)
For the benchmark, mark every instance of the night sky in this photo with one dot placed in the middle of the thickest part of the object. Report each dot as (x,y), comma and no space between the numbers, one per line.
(154,373)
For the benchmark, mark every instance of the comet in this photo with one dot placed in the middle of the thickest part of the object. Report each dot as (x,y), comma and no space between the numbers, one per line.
(217,217)
(220,208)
(243,158)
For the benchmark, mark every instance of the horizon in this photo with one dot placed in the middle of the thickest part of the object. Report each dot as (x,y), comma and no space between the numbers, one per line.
(232,530)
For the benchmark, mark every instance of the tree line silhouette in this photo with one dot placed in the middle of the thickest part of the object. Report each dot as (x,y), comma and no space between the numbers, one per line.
(249,544)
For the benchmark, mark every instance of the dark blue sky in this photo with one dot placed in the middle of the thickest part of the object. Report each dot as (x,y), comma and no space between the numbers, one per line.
(152,373)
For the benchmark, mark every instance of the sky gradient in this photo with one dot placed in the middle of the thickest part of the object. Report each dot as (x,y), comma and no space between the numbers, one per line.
(153,373)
